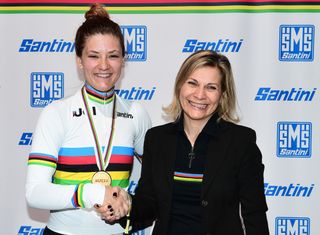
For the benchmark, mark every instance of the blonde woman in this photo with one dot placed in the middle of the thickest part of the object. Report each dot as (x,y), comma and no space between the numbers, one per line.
(201,173)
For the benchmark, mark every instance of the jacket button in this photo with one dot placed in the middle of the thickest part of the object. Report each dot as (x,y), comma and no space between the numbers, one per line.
(204,203)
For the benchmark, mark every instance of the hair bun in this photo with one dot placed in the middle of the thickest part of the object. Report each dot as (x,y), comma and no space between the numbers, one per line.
(96,10)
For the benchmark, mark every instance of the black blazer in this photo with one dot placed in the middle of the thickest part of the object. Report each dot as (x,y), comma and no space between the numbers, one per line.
(233,176)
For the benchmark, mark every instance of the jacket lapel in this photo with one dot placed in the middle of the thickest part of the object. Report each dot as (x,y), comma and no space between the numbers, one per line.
(169,154)
(216,155)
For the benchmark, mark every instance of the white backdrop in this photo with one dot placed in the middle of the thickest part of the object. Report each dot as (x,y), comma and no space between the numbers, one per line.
(292,181)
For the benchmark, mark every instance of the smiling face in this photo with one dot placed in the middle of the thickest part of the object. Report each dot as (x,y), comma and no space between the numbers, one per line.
(200,94)
(101,61)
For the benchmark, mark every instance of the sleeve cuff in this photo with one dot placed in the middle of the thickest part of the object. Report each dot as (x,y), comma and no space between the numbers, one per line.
(87,195)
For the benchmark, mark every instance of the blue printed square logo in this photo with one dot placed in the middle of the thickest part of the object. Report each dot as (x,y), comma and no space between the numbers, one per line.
(45,87)
(26,139)
(296,43)
(294,139)
(292,226)
(135,38)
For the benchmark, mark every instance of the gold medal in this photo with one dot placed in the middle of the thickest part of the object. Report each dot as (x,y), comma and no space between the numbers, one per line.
(102,177)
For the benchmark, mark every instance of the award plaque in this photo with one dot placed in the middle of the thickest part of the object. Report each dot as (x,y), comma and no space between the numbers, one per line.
(102,177)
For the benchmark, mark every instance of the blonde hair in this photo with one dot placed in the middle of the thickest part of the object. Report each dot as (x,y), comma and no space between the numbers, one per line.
(206,58)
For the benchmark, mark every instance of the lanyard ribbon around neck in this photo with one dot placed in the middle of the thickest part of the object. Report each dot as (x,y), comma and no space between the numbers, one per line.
(102,159)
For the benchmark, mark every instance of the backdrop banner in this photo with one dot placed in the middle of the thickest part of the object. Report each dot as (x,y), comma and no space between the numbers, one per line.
(275,54)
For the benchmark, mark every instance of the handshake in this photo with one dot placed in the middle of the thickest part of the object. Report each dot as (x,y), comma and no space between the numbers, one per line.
(117,204)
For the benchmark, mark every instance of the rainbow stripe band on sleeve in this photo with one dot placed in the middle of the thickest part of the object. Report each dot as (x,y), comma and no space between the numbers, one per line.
(42,160)
(187,177)
(77,200)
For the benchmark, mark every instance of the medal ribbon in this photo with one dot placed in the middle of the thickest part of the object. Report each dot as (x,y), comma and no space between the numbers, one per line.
(102,160)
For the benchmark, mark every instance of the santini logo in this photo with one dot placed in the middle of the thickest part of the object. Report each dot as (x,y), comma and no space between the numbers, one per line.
(132,187)
(292,226)
(296,42)
(124,115)
(221,45)
(135,38)
(268,94)
(45,87)
(56,45)
(291,190)
(294,139)
(28,230)
(26,138)
(136,93)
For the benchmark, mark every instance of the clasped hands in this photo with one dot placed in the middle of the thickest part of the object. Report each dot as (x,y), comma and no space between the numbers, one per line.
(117,203)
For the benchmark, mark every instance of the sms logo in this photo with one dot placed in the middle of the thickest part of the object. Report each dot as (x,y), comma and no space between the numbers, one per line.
(294,139)
(292,226)
(296,42)
(45,87)
(135,38)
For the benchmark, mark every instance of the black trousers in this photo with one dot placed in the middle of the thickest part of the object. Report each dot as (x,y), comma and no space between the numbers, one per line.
(47,231)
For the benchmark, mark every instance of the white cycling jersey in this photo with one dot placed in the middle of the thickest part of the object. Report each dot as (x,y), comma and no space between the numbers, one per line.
(64,158)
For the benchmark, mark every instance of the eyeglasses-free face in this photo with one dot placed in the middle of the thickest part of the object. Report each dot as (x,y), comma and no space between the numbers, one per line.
(200,94)
(101,61)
